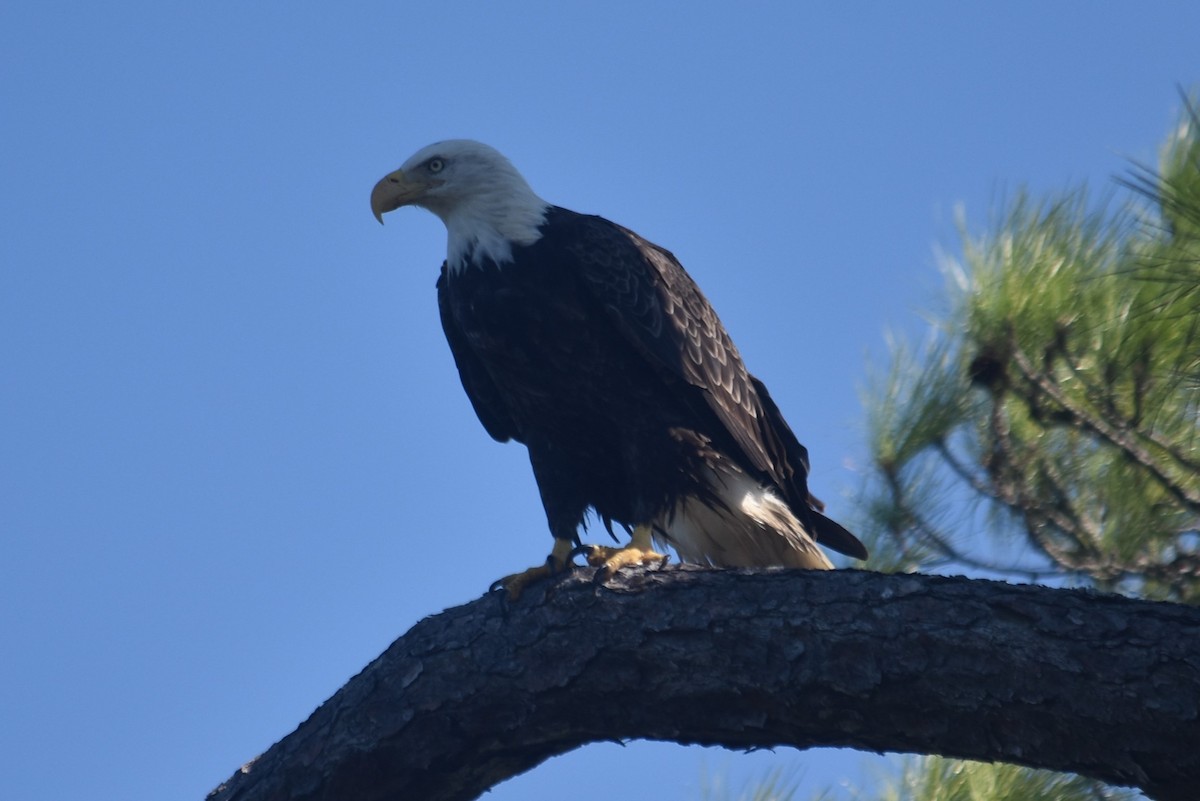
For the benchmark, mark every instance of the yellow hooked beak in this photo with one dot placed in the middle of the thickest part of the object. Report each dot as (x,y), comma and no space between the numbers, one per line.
(394,190)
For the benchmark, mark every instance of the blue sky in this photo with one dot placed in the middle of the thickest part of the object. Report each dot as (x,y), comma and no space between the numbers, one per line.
(235,459)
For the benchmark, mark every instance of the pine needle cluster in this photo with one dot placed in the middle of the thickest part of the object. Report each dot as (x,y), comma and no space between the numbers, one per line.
(1057,404)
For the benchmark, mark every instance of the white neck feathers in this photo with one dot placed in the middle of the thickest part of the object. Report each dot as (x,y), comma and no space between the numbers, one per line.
(491,222)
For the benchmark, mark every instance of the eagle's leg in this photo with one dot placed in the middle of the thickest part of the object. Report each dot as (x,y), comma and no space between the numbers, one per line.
(639,551)
(558,561)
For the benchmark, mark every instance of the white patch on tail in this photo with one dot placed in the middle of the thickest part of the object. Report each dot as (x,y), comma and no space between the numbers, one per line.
(755,528)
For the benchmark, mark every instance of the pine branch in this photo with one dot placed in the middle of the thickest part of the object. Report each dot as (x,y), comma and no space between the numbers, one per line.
(930,538)
(1122,422)
(1118,437)
(1068,680)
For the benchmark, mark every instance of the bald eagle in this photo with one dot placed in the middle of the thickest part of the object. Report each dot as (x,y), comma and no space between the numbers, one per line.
(595,349)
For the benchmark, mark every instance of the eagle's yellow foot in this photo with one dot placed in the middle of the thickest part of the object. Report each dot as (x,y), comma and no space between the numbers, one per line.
(639,551)
(558,561)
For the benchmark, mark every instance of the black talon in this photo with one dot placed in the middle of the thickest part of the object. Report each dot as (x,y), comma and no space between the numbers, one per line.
(580,550)
(602,576)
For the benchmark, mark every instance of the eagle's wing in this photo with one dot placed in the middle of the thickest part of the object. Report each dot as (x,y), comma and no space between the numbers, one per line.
(480,388)
(826,531)
(657,306)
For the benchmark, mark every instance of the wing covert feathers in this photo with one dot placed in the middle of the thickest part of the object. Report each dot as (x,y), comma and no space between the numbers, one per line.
(658,307)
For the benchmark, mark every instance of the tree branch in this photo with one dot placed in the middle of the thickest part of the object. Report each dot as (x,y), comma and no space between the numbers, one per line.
(1068,680)
(1120,438)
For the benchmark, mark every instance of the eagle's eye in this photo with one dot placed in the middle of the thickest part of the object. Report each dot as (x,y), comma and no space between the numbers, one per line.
(435,165)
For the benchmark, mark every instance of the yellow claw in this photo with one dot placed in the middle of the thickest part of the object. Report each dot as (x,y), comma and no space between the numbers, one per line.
(639,551)
(558,561)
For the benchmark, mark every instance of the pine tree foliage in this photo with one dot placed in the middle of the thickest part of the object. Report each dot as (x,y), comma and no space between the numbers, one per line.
(1057,404)
(939,779)
(1056,407)
(775,785)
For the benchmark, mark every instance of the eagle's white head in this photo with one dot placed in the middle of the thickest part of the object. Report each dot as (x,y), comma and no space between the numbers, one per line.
(485,203)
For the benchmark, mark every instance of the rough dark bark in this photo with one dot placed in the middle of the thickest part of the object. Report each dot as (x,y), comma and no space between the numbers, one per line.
(1068,680)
